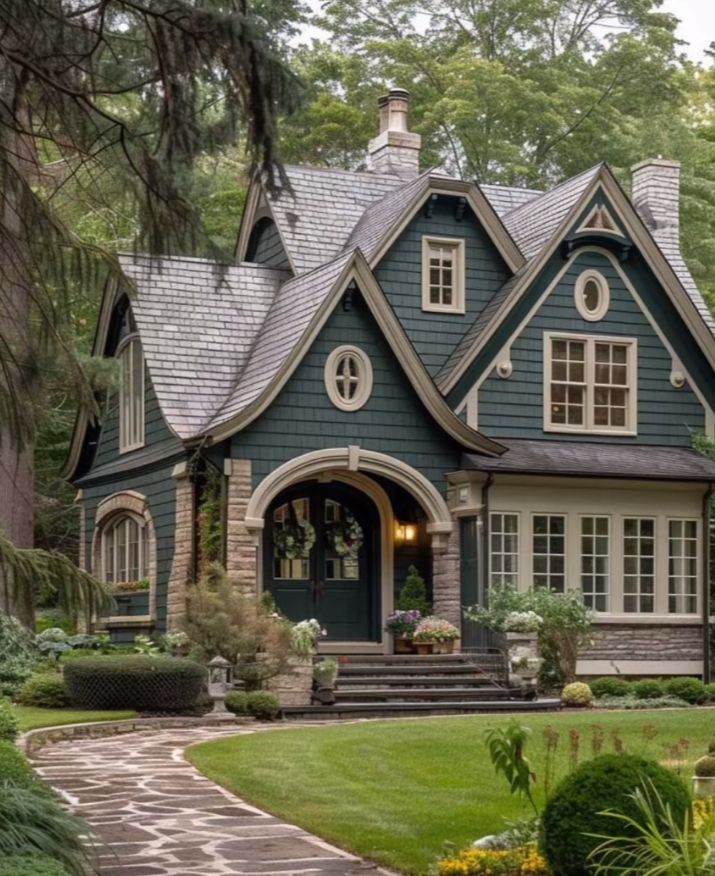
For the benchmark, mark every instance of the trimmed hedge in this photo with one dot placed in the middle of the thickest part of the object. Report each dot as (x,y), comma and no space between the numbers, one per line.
(237,702)
(692,690)
(648,689)
(710,692)
(610,686)
(46,691)
(259,704)
(604,783)
(31,865)
(136,681)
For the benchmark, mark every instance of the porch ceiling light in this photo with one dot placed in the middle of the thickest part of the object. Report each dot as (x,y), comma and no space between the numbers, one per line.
(405,533)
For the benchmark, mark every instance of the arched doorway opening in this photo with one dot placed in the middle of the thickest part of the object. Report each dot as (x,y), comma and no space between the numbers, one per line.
(321,558)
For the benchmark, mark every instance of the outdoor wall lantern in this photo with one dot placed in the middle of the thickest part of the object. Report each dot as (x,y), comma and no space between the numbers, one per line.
(405,533)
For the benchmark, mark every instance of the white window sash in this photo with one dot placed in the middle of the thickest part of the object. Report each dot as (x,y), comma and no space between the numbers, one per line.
(680,592)
(593,594)
(493,516)
(458,274)
(131,395)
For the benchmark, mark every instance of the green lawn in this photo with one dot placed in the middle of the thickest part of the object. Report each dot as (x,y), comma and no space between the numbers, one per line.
(31,718)
(396,791)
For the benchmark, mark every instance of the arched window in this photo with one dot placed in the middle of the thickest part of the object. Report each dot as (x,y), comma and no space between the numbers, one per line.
(125,549)
(131,395)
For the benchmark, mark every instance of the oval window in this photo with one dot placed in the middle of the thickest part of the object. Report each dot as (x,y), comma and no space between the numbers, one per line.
(592,295)
(348,378)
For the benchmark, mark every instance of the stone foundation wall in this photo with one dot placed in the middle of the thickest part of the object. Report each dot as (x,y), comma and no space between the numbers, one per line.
(241,552)
(181,563)
(445,577)
(645,642)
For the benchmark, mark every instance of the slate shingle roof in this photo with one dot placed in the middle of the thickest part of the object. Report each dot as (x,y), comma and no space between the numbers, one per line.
(506,198)
(286,321)
(198,321)
(317,217)
(592,459)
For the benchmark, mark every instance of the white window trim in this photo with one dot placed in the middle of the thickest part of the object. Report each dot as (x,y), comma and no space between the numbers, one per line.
(517,573)
(124,445)
(143,544)
(365,376)
(632,369)
(579,554)
(567,546)
(698,574)
(658,595)
(604,291)
(458,305)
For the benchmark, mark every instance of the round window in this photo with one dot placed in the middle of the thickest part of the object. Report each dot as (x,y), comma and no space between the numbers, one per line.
(348,378)
(592,295)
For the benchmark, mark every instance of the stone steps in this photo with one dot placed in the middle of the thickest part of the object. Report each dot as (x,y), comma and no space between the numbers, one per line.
(408,680)
(429,694)
(406,710)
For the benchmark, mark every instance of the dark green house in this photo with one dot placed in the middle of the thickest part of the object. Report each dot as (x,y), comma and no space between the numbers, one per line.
(496,385)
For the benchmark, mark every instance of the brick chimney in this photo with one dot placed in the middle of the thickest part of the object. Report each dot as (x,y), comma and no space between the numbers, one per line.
(395,150)
(656,197)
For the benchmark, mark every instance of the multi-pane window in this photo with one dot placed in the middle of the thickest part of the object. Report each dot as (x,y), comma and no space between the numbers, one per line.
(638,565)
(590,385)
(131,396)
(682,566)
(293,540)
(549,551)
(504,553)
(125,550)
(443,275)
(595,561)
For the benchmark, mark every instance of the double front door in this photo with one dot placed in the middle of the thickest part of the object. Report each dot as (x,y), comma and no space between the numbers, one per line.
(320,555)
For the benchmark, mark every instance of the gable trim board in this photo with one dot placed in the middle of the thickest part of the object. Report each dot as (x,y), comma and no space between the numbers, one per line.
(471,399)
(633,224)
(480,206)
(602,212)
(357,270)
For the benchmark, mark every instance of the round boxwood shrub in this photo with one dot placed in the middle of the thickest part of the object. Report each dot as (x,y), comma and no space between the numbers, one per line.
(262,705)
(604,783)
(31,865)
(709,693)
(689,689)
(648,689)
(705,767)
(14,767)
(237,702)
(46,691)
(578,693)
(137,681)
(612,686)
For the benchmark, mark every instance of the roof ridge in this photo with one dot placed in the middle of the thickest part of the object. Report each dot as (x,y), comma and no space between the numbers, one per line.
(369,173)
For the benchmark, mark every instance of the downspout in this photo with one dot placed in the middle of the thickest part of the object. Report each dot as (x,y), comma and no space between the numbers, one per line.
(706,582)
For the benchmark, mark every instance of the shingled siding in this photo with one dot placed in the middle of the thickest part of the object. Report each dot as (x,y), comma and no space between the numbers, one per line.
(269,248)
(159,487)
(302,417)
(155,428)
(435,335)
(513,408)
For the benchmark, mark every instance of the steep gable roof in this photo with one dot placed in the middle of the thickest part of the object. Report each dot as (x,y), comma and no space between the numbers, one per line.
(507,198)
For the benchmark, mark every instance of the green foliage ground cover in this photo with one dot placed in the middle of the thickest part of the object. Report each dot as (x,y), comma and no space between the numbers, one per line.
(395,792)
(31,718)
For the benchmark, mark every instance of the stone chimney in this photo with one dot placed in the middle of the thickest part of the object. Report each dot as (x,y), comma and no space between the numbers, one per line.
(395,150)
(656,197)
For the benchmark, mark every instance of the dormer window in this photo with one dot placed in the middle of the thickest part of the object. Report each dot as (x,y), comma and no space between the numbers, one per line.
(442,275)
(131,394)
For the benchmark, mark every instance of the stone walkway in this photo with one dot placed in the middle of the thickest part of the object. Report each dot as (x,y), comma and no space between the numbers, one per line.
(153,814)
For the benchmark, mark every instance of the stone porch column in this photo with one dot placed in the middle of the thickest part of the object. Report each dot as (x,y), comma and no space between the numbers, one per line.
(445,577)
(183,538)
(241,551)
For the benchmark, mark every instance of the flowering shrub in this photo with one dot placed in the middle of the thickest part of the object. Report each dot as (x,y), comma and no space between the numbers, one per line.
(403,624)
(434,629)
(578,693)
(522,622)
(525,861)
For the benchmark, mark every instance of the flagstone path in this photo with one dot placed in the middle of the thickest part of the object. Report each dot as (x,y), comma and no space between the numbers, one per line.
(153,814)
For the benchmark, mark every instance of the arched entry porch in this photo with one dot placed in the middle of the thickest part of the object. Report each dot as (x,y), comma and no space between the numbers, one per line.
(365,477)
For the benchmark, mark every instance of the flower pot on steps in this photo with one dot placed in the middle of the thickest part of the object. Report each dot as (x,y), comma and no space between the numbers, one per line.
(424,647)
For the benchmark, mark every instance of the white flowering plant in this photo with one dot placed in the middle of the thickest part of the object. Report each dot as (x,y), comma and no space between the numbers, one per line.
(305,635)
(522,622)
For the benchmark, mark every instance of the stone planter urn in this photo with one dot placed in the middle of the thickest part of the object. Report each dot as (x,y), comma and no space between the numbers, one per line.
(524,660)
(295,686)
(703,786)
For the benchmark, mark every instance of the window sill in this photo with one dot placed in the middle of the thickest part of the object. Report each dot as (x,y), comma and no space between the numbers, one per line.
(131,447)
(454,311)
(655,619)
(613,433)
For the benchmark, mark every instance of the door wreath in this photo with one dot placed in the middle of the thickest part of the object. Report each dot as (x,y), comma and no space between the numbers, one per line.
(345,537)
(294,539)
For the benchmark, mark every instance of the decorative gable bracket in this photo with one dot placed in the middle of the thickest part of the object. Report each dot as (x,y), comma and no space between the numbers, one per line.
(620,248)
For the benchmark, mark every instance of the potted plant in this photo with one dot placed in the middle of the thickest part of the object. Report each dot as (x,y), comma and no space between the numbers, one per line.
(440,635)
(325,673)
(402,626)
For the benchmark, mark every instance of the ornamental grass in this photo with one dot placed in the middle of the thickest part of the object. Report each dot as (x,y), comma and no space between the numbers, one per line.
(525,861)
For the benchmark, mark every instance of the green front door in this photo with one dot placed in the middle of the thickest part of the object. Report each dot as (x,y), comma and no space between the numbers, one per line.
(320,559)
